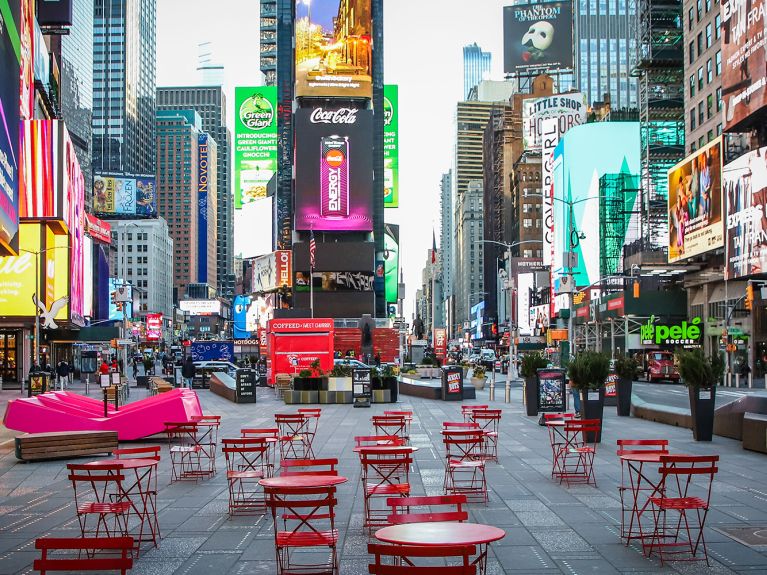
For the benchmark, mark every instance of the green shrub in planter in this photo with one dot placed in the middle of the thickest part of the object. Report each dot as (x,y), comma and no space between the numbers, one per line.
(626,370)
(479,372)
(589,370)
(626,367)
(701,375)
(531,363)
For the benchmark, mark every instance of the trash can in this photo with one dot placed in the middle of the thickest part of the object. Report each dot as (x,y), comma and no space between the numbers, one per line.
(38,382)
(246,385)
(452,383)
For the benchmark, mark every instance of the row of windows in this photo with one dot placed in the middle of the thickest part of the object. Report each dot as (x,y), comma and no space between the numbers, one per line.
(705,41)
(698,11)
(705,109)
(712,68)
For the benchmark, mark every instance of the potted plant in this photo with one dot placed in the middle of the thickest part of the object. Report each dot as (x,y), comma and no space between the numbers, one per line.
(588,372)
(312,379)
(701,374)
(531,363)
(478,377)
(625,368)
(389,379)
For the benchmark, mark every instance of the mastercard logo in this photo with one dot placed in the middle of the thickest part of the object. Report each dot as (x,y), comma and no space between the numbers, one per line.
(334,158)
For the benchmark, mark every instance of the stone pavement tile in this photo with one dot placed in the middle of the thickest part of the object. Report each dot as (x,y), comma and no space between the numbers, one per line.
(14,562)
(206,563)
(626,558)
(585,566)
(202,523)
(516,536)
(171,517)
(174,547)
(254,568)
(259,548)
(499,517)
(544,518)
(577,514)
(557,541)
(733,554)
(523,559)
(147,567)
(599,533)
(700,568)
(227,540)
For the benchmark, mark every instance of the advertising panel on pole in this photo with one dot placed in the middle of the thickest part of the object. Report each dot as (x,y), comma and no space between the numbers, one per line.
(153,326)
(477,315)
(98,229)
(203,162)
(744,186)
(568,109)
(440,342)
(10,66)
(549,141)
(333,48)
(744,60)
(334,169)
(695,203)
(115,285)
(391,146)
(284,262)
(391,262)
(124,196)
(524,285)
(200,306)
(539,318)
(255,142)
(537,37)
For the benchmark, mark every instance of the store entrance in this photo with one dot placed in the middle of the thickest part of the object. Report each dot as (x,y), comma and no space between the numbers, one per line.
(9,354)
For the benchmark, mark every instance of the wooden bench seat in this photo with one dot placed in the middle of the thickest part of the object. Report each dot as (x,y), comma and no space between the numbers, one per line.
(64,444)
(159,385)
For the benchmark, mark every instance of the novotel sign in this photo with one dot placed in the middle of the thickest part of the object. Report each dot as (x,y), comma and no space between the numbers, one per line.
(687,333)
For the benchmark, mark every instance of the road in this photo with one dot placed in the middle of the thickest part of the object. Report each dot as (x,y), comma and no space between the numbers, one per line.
(676,395)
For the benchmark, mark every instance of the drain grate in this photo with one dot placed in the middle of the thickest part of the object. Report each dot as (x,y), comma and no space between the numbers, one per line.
(751,536)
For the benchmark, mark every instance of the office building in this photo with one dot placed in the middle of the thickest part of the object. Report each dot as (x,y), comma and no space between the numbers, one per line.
(210,103)
(142,255)
(178,154)
(446,257)
(468,282)
(476,67)
(124,81)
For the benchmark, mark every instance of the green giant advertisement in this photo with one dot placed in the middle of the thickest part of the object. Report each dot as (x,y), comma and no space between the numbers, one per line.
(391,261)
(255,137)
(391,146)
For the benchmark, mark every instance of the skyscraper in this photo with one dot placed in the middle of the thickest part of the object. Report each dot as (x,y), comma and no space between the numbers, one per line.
(446,244)
(210,103)
(124,79)
(476,67)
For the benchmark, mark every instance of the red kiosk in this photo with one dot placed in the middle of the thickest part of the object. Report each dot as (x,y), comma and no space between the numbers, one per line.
(294,344)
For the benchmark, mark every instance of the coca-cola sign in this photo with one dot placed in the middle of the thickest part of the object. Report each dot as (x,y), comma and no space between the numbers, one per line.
(340,116)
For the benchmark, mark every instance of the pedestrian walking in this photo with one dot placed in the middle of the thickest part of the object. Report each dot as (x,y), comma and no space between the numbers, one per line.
(135,368)
(62,371)
(188,371)
(104,367)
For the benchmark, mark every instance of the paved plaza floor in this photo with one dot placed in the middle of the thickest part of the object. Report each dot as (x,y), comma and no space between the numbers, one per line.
(549,528)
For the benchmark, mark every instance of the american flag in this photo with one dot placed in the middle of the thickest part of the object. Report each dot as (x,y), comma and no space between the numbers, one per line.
(312,249)
(433,247)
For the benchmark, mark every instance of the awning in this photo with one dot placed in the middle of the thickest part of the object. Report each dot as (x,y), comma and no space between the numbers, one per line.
(699,298)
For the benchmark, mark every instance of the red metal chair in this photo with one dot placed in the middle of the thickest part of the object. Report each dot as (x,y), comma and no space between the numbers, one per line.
(247,462)
(467,409)
(185,452)
(307,518)
(294,467)
(146,491)
(401,559)
(311,422)
(391,425)
(460,425)
(384,474)
(401,509)
(91,562)
(207,438)
(464,464)
(293,439)
(148,452)
(98,493)
(260,432)
(557,438)
(377,440)
(686,482)
(408,415)
(576,456)
(630,528)
(489,421)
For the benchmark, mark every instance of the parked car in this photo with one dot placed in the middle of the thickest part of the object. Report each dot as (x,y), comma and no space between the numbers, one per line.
(475,358)
(659,366)
(502,364)
(487,358)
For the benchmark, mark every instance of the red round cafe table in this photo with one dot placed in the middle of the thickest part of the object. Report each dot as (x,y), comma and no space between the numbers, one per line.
(302,481)
(383,448)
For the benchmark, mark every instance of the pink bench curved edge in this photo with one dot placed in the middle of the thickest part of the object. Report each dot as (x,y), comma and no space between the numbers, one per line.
(66,411)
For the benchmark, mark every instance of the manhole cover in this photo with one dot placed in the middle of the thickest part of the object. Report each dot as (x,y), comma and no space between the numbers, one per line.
(751,536)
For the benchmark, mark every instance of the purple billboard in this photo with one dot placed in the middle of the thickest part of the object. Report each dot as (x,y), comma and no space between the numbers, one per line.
(334,169)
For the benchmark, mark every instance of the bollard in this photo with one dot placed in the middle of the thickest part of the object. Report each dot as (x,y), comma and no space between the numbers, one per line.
(507,391)
(750,381)
(737,380)
(492,386)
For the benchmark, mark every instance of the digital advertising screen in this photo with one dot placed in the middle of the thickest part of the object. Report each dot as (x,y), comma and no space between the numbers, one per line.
(255,142)
(26,51)
(154,326)
(333,48)
(10,66)
(391,262)
(203,162)
(240,307)
(391,146)
(744,186)
(537,36)
(115,195)
(695,203)
(744,59)
(127,311)
(334,169)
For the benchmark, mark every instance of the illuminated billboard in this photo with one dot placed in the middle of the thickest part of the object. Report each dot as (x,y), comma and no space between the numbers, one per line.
(240,307)
(537,37)
(255,142)
(200,306)
(10,66)
(695,203)
(744,187)
(203,165)
(391,262)
(569,110)
(333,48)
(127,307)
(26,50)
(129,196)
(391,146)
(153,326)
(744,59)
(334,169)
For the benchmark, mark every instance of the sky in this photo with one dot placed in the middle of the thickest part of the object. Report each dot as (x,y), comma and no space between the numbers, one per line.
(423,41)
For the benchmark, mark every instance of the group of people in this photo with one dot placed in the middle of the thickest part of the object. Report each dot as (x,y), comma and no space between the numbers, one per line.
(693,196)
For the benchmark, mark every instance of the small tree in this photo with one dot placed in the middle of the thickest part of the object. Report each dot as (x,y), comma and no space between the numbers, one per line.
(531,363)
(697,370)
(626,367)
(589,370)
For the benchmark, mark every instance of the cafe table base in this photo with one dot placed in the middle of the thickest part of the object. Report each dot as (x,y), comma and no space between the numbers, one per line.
(635,497)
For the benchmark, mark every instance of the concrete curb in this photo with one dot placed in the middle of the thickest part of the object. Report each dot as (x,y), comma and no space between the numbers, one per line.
(676,416)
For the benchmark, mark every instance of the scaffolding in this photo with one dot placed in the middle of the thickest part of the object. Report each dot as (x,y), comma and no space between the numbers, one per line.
(660,69)
(617,193)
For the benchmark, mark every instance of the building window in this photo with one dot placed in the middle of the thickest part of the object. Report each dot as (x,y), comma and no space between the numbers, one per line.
(700,44)
(701,141)
(701,117)
(700,78)
(699,6)
(708,35)
(718,99)
(692,85)
(710,135)
(709,105)
(689,18)
(692,119)
(692,52)
(719,129)
(718,59)
(709,71)
(708,6)
(718,26)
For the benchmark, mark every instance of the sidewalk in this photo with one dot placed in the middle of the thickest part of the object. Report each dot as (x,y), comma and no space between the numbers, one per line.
(549,528)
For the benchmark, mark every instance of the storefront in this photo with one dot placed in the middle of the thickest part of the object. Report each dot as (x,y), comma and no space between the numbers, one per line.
(11,357)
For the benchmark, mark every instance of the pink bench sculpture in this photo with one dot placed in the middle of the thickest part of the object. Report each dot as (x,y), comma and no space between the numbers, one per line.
(66,411)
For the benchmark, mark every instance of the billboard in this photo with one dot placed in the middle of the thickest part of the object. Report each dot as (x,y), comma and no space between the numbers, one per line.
(537,37)
(744,186)
(203,162)
(97,229)
(153,326)
(333,48)
(26,51)
(744,59)
(117,195)
(391,146)
(335,281)
(127,307)
(568,109)
(240,307)
(391,262)
(695,203)
(525,283)
(255,142)
(334,169)
(200,306)
(477,313)
(10,66)
(54,13)
(272,271)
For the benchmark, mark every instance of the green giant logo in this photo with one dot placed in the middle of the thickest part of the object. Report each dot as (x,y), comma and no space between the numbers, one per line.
(257,112)
(687,334)
(388,111)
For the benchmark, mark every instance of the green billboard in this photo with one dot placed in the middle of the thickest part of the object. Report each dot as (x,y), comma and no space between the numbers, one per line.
(255,142)
(391,146)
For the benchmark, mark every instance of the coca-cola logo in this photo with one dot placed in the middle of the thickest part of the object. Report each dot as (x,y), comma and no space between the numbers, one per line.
(340,116)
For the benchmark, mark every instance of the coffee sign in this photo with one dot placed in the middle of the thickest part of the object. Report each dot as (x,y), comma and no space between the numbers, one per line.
(687,333)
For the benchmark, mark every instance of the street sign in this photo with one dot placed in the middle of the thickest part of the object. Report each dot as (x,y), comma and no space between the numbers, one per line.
(124,342)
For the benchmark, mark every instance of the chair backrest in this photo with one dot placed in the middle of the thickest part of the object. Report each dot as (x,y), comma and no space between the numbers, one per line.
(406,414)
(302,510)
(149,452)
(398,553)
(573,426)
(308,467)
(386,467)
(556,416)
(209,419)
(686,475)
(290,423)
(470,408)
(181,432)
(377,440)
(260,432)
(246,453)
(634,446)
(460,425)
(465,445)
(488,419)
(95,484)
(310,411)
(401,512)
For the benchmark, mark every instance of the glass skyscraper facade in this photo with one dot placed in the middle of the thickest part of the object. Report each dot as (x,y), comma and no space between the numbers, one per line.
(476,67)
(124,82)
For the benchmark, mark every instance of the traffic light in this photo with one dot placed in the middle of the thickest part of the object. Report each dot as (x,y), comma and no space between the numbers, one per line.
(119,305)
(749,296)
(112,297)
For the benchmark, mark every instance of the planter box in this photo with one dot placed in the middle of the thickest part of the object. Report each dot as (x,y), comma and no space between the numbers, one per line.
(623,389)
(310,383)
(293,397)
(478,382)
(381,396)
(531,396)
(339,384)
(593,407)
(702,411)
